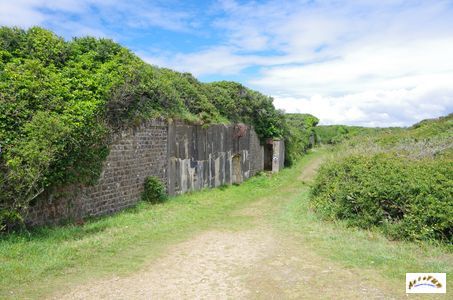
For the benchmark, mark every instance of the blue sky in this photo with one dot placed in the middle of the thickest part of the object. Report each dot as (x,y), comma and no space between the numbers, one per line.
(362,62)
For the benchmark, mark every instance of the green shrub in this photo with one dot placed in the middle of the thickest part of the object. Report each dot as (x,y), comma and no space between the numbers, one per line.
(399,180)
(10,219)
(240,104)
(154,191)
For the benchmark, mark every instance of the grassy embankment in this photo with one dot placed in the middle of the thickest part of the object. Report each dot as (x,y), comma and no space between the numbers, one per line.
(36,263)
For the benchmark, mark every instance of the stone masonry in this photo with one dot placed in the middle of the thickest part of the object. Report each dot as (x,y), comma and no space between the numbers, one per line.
(184,157)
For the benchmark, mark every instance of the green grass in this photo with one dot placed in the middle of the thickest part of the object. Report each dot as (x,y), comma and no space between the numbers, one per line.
(361,249)
(35,264)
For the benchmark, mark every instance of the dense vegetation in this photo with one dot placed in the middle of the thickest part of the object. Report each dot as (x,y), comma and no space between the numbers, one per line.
(61,100)
(300,135)
(399,180)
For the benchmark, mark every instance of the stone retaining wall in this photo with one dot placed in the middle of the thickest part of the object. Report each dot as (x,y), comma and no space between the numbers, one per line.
(184,157)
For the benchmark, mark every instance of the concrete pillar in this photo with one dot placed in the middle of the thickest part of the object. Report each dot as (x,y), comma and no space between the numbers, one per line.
(278,156)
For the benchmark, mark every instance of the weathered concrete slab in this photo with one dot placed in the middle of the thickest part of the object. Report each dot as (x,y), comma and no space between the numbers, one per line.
(213,156)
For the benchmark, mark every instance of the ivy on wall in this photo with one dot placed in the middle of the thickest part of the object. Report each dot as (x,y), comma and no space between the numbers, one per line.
(60,100)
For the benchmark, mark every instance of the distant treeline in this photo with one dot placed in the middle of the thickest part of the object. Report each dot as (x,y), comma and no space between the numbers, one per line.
(333,134)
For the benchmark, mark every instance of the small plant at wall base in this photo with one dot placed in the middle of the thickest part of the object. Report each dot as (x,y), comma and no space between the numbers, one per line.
(154,191)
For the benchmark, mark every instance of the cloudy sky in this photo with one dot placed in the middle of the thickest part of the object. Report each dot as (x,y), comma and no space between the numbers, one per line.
(359,62)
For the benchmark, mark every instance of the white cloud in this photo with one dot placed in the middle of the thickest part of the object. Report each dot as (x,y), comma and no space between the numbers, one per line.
(92,17)
(387,62)
(370,67)
(375,108)
(216,60)
(19,13)
(374,63)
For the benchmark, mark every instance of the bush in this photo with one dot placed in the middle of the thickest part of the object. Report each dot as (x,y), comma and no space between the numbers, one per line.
(334,134)
(10,220)
(400,181)
(240,104)
(154,191)
(408,199)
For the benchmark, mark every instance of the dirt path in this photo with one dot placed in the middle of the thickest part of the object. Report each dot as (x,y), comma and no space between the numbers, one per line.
(257,262)
(310,170)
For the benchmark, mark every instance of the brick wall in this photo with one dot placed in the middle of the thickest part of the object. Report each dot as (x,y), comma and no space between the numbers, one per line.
(134,155)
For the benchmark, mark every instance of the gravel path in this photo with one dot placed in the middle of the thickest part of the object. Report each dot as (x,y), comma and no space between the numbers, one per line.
(256,262)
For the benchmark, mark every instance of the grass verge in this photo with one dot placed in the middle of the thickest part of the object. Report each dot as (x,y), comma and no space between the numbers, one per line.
(34,264)
(358,248)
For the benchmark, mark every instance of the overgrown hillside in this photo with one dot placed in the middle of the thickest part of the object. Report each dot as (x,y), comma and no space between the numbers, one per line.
(61,100)
(399,180)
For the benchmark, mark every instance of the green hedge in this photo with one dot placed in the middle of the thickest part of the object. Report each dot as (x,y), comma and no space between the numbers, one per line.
(334,134)
(398,180)
(408,199)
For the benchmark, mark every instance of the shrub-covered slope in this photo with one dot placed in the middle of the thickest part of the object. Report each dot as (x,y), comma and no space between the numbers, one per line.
(400,180)
(60,101)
